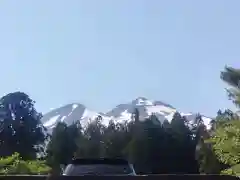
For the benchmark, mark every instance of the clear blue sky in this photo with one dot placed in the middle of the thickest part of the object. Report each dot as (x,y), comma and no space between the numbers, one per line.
(105,52)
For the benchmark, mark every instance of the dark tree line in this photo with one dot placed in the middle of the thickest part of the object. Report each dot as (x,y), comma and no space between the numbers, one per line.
(151,147)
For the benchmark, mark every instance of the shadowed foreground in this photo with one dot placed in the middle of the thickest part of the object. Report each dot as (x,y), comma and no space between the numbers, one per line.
(146,177)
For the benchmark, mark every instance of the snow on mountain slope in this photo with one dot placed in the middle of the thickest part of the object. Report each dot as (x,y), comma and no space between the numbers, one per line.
(123,112)
(69,114)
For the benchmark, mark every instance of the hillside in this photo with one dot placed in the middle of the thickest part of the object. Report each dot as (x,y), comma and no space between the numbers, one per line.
(122,112)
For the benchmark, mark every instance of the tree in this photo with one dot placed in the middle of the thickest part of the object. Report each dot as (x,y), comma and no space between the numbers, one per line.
(232,77)
(21,129)
(138,149)
(208,162)
(222,118)
(58,152)
(115,139)
(148,147)
(182,141)
(225,135)
(226,143)
(157,145)
(135,115)
(91,144)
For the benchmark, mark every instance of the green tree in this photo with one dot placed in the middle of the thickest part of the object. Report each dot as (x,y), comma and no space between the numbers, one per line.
(157,145)
(91,144)
(137,148)
(222,117)
(147,148)
(208,162)
(20,128)
(181,140)
(225,134)
(115,139)
(226,143)
(63,144)
(232,77)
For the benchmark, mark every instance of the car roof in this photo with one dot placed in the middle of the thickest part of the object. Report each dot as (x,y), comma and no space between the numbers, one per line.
(111,161)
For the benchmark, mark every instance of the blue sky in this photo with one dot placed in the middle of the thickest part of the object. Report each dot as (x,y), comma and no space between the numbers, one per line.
(105,52)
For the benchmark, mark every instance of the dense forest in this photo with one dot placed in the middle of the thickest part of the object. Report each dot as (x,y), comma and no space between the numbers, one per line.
(153,148)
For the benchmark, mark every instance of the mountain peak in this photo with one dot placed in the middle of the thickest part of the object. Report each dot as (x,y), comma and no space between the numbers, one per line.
(142,98)
(122,112)
(142,101)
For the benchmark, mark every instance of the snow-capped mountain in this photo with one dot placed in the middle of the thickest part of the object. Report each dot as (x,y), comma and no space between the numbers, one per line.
(123,112)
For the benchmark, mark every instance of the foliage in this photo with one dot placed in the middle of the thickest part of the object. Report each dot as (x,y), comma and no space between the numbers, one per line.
(15,165)
(20,127)
(226,142)
(208,162)
(232,77)
(234,170)
(58,152)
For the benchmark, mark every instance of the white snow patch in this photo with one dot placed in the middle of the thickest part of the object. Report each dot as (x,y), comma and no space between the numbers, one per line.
(123,113)
(207,122)
(87,113)
(62,119)
(160,109)
(186,114)
(51,121)
(74,106)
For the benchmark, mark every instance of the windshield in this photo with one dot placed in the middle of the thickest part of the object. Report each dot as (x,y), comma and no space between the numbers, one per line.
(97,169)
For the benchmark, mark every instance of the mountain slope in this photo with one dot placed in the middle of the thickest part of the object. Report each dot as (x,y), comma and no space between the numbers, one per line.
(123,112)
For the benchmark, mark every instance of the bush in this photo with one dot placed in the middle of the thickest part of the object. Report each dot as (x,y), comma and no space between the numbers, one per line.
(15,165)
(234,171)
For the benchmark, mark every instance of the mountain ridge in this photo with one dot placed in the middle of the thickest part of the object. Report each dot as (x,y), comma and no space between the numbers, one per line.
(120,113)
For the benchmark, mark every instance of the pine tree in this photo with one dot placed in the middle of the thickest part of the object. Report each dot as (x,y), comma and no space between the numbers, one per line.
(157,145)
(63,145)
(232,77)
(115,139)
(91,144)
(137,148)
(183,143)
